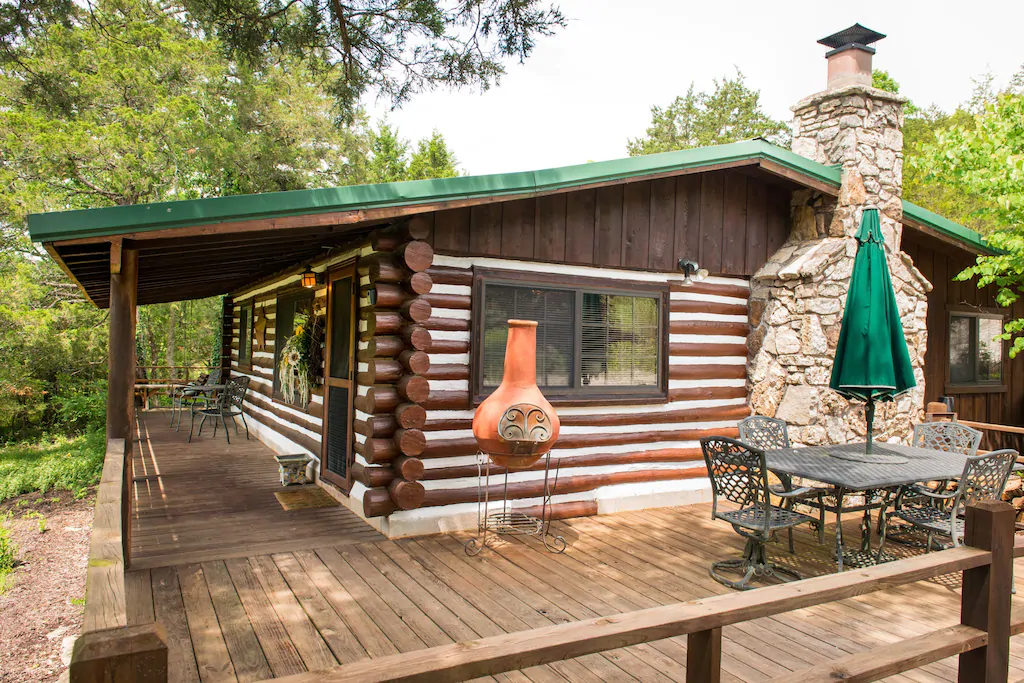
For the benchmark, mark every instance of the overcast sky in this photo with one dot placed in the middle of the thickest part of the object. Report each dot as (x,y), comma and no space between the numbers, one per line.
(590,87)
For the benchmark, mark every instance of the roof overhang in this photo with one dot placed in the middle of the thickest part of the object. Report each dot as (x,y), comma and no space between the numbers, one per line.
(202,247)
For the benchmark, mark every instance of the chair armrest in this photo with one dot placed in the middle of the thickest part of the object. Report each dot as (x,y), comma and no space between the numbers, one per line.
(928,493)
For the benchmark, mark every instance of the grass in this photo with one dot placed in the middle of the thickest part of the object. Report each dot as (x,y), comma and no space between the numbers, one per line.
(72,463)
(8,552)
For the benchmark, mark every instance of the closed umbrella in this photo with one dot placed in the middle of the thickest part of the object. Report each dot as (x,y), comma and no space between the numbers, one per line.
(872,362)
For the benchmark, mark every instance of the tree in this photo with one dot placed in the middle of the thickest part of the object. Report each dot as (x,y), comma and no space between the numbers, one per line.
(129,104)
(383,47)
(388,155)
(433,159)
(731,112)
(986,159)
(390,159)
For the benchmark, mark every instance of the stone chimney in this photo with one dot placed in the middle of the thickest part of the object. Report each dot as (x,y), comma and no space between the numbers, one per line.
(797,298)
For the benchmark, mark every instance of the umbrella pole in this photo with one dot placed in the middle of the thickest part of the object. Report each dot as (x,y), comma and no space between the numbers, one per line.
(869,413)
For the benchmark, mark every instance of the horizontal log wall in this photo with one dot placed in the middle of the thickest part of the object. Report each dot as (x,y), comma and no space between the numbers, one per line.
(599,446)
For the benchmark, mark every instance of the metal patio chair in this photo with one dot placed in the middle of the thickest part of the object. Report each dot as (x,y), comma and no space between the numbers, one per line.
(950,437)
(738,475)
(770,433)
(228,404)
(942,513)
(191,394)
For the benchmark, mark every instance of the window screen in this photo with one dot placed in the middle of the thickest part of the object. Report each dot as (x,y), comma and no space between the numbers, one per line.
(975,352)
(590,343)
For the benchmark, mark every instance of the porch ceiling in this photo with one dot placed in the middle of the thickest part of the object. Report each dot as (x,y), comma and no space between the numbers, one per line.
(197,266)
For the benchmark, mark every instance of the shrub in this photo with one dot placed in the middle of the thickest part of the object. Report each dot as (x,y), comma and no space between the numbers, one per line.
(72,463)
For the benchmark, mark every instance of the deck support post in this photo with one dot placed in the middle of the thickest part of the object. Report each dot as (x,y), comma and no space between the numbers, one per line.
(704,656)
(985,597)
(134,654)
(121,348)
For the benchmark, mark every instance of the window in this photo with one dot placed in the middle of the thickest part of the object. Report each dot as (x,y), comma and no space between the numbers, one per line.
(292,310)
(595,340)
(245,336)
(975,353)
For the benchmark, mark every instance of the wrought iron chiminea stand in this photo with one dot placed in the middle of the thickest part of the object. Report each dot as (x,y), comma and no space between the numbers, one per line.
(497,518)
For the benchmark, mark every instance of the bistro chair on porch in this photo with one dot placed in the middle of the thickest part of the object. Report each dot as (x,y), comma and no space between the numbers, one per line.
(190,395)
(228,404)
(770,433)
(739,475)
(940,512)
(950,437)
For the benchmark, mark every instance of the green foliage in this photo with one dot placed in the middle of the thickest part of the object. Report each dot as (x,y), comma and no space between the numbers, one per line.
(921,126)
(433,159)
(985,158)
(128,104)
(72,463)
(391,49)
(8,552)
(390,160)
(730,113)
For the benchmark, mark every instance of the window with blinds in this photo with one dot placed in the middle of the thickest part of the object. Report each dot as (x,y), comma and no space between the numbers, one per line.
(593,343)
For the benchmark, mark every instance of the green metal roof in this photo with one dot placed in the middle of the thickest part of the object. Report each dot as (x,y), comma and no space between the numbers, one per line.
(139,218)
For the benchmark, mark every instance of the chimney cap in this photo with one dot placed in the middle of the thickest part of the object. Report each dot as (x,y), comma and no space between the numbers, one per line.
(856,36)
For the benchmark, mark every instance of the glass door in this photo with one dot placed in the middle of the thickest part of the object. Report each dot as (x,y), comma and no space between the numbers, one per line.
(339,377)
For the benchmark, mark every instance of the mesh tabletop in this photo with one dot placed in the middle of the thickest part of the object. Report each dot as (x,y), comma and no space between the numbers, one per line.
(814,462)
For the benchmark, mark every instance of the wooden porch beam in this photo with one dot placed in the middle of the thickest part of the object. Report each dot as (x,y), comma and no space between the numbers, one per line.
(116,245)
(121,349)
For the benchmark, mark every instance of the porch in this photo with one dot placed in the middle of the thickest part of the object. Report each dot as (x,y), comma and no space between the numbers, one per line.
(255,592)
(210,500)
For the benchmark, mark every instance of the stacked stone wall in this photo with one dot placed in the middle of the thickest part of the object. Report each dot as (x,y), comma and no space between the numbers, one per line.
(798,297)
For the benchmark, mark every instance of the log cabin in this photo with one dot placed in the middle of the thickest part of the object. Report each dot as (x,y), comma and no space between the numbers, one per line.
(405,289)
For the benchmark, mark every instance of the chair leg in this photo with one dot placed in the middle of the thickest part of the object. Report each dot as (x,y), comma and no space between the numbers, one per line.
(242,415)
(201,423)
(821,519)
(224,422)
(754,562)
(191,424)
(235,423)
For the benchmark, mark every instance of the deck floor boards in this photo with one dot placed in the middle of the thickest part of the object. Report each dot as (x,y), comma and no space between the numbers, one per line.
(282,596)
(210,500)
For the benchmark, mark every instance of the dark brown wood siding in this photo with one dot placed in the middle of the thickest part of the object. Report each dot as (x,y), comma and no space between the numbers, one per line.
(940,263)
(729,221)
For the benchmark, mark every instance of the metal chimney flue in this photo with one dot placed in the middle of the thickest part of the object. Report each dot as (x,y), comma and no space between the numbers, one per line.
(849,60)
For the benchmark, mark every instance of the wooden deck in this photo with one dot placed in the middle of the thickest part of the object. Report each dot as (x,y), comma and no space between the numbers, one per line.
(210,500)
(269,615)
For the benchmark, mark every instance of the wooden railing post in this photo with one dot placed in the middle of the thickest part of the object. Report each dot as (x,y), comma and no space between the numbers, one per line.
(704,656)
(985,598)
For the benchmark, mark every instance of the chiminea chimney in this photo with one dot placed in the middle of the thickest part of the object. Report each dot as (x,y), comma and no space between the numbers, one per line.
(849,61)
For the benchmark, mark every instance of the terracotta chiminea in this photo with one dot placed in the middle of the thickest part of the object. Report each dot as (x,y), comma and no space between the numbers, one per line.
(516,425)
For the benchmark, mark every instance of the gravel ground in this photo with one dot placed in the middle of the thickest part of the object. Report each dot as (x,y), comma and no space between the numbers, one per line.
(41,610)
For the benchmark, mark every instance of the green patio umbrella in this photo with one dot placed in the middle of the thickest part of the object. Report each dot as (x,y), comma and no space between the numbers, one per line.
(872,362)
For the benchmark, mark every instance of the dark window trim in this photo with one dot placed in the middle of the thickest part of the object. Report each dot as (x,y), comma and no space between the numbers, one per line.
(246,363)
(290,295)
(581,396)
(975,387)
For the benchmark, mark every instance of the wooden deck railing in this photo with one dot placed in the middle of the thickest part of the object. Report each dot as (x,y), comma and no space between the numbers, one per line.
(110,650)
(998,436)
(981,640)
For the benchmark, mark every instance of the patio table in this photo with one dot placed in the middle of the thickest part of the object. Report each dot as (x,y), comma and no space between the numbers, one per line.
(849,476)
